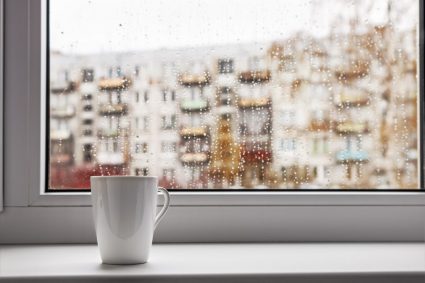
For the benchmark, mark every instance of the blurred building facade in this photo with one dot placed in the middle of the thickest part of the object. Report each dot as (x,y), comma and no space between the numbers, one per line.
(336,112)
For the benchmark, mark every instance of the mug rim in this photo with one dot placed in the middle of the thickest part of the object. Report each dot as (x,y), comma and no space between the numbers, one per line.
(123,177)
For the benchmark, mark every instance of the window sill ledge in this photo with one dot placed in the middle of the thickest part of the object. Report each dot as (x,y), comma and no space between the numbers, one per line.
(372,262)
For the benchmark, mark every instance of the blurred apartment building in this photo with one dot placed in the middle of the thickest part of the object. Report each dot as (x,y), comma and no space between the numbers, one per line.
(337,112)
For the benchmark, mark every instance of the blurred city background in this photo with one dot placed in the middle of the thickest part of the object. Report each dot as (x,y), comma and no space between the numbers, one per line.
(328,102)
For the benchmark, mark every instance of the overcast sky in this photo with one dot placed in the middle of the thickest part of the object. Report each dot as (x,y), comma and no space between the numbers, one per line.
(92,26)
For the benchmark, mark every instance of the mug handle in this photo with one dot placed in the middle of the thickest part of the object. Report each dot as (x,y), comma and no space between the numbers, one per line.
(164,209)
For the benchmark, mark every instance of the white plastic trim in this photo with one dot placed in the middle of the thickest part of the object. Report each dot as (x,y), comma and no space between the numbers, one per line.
(31,216)
(1,101)
(223,263)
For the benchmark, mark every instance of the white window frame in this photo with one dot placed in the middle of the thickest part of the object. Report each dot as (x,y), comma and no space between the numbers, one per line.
(1,101)
(32,216)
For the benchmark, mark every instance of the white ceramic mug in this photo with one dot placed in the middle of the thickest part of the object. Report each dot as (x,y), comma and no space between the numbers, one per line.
(124,210)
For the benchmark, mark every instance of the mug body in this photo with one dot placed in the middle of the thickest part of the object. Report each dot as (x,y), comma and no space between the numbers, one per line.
(124,210)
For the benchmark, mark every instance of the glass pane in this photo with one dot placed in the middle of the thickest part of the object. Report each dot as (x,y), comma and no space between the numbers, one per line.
(282,94)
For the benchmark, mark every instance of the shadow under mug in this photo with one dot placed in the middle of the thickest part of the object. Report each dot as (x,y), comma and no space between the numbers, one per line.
(125,218)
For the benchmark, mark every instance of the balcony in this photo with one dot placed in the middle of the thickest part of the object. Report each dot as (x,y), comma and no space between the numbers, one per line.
(66,112)
(348,128)
(357,70)
(108,133)
(114,84)
(225,101)
(352,156)
(409,98)
(257,134)
(194,79)
(253,140)
(60,135)
(411,67)
(110,158)
(411,154)
(194,132)
(318,53)
(113,109)
(195,105)
(256,154)
(353,99)
(194,158)
(319,125)
(254,102)
(255,76)
(60,159)
(62,87)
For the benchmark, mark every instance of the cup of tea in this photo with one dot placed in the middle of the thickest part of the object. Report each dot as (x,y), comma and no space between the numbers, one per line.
(125,216)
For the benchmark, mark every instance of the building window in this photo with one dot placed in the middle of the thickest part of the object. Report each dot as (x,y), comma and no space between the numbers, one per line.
(145,147)
(138,148)
(87,97)
(287,145)
(225,66)
(146,96)
(87,108)
(168,146)
(66,76)
(168,122)
(145,123)
(224,96)
(115,146)
(224,90)
(87,153)
(87,132)
(169,174)
(320,146)
(137,123)
(168,95)
(87,122)
(141,148)
(141,171)
(88,75)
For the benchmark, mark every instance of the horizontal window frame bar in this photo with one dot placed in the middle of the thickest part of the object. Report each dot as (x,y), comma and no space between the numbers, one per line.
(36,225)
(256,199)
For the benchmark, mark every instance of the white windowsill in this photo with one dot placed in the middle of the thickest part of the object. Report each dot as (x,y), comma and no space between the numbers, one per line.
(372,262)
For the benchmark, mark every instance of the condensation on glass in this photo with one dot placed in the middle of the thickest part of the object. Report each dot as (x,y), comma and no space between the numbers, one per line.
(319,94)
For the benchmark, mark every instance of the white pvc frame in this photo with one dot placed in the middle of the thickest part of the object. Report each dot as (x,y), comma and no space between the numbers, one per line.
(1,102)
(32,216)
